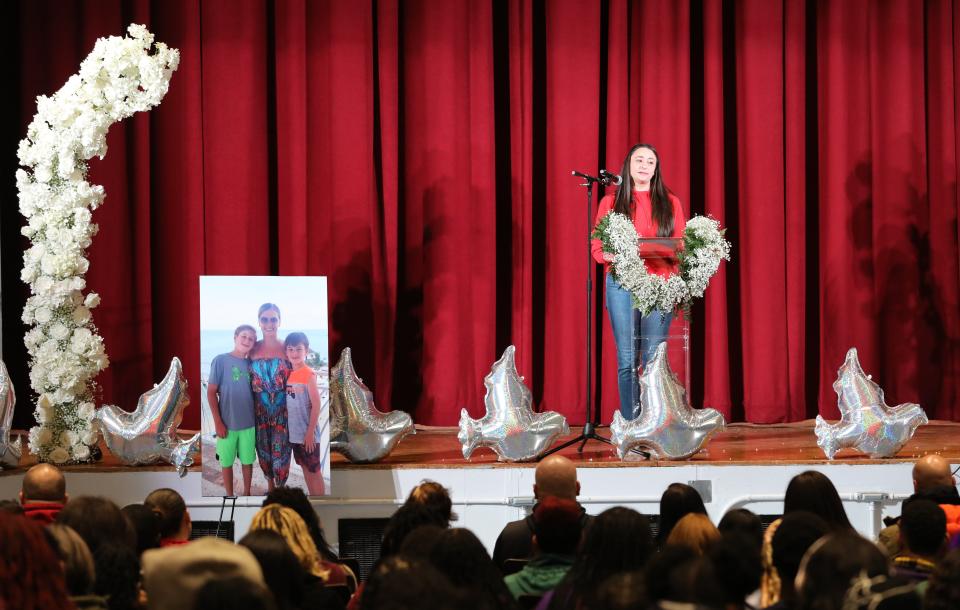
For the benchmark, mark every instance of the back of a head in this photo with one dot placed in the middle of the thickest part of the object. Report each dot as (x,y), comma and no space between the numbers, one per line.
(233,593)
(145,524)
(556,476)
(401,583)
(660,568)
(796,533)
(435,497)
(76,557)
(407,518)
(923,527)
(744,522)
(813,492)
(98,521)
(173,575)
(624,591)
(556,524)
(295,498)
(830,565)
(695,531)
(677,501)
(882,593)
(943,590)
(463,559)
(737,565)
(288,524)
(170,507)
(44,483)
(932,471)
(117,574)
(281,569)
(29,567)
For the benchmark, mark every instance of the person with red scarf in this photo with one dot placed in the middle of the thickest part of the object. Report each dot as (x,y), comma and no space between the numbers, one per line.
(43,493)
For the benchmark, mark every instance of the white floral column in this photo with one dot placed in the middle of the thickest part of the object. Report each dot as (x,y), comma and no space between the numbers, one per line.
(121,76)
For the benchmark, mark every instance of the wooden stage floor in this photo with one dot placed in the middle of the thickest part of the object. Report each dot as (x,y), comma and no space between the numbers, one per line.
(738,445)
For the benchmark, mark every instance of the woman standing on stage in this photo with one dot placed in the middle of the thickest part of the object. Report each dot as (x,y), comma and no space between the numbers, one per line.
(656,212)
(269,369)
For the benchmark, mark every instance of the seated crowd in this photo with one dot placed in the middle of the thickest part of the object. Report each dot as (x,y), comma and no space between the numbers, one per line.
(86,552)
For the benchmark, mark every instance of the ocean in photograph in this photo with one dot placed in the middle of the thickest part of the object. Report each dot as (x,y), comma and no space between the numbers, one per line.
(220,341)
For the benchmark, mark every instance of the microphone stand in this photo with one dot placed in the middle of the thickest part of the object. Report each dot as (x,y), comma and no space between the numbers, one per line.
(592,420)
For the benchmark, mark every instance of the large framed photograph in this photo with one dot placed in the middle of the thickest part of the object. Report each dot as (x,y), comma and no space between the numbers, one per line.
(265,385)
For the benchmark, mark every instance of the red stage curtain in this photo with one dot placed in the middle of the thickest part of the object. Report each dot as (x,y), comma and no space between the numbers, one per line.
(419,153)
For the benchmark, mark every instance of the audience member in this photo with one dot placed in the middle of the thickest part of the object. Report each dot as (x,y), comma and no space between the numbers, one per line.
(172,575)
(145,524)
(403,583)
(829,566)
(882,593)
(11,507)
(419,543)
(745,522)
(406,519)
(809,491)
(555,539)
(461,557)
(118,576)
(736,564)
(175,525)
(624,591)
(295,498)
(943,588)
(660,568)
(617,540)
(923,538)
(678,501)
(436,498)
(695,531)
(555,477)
(932,480)
(97,520)
(290,584)
(796,533)
(31,577)
(78,567)
(233,593)
(43,493)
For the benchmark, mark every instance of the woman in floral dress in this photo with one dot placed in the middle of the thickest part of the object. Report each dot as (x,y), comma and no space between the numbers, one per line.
(269,370)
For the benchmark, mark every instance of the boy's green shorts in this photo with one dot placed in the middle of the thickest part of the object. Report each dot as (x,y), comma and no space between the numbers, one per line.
(240,443)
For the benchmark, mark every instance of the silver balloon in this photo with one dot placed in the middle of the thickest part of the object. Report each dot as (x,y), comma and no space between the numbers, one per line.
(667,426)
(149,434)
(866,423)
(9,451)
(357,429)
(510,427)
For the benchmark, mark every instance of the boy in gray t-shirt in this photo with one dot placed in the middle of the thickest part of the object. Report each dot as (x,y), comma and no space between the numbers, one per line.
(231,403)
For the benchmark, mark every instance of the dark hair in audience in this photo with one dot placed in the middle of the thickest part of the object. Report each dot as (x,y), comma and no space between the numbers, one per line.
(98,521)
(812,491)
(419,543)
(923,526)
(170,507)
(829,566)
(696,582)
(281,569)
(11,507)
(943,590)
(233,593)
(677,501)
(556,524)
(737,565)
(463,559)
(408,517)
(294,498)
(76,557)
(744,522)
(660,568)
(118,576)
(882,593)
(30,573)
(623,591)
(796,533)
(435,497)
(145,524)
(403,583)
(617,540)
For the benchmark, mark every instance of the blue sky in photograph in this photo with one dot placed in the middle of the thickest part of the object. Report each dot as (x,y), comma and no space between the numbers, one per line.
(227,301)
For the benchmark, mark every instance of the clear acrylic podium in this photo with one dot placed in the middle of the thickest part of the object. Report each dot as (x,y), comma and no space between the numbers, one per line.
(661,253)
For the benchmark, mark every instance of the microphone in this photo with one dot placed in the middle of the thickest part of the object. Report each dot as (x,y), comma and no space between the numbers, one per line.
(606,178)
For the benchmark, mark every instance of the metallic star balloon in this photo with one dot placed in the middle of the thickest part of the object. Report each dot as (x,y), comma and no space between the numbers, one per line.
(149,434)
(510,427)
(9,451)
(357,429)
(667,426)
(866,423)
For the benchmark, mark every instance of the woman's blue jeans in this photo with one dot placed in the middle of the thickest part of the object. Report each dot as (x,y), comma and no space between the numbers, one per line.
(653,332)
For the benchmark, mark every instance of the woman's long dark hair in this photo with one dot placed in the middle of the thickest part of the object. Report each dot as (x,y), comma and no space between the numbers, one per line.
(661,210)
(812,491)
(677,501)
